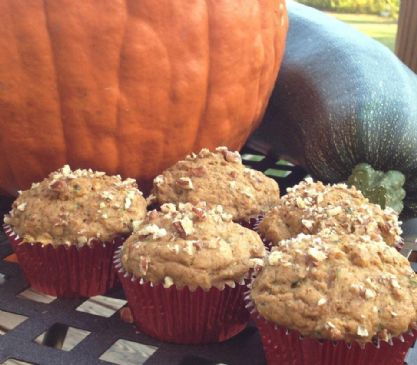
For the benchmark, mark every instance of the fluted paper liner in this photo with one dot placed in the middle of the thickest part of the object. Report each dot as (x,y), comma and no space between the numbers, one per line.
(184,316)
(288,347)
(267,243)
(251,222)
(66,271)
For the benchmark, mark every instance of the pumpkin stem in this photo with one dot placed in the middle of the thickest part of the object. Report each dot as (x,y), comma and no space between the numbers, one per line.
(383,188)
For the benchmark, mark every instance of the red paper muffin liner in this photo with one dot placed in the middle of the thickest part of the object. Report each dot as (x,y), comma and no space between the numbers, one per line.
(288,347)
(67,271)
(184,316)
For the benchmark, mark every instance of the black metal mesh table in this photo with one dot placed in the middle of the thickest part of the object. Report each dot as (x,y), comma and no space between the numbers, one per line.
(39,329)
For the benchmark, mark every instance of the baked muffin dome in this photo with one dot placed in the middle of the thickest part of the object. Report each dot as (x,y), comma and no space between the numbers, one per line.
(312,206)
(75,207)
(337,287)
(191,246)
(217,177)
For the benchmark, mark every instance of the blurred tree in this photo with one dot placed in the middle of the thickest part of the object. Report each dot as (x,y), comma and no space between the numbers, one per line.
(406,42)
(388,7)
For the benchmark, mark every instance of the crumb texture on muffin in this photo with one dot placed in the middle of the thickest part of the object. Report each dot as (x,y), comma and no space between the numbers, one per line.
(338,287)
(75,207)
(191,246)
(312,206)
(217,177)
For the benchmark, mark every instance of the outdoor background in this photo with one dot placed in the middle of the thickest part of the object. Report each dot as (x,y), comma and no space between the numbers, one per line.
(376,18)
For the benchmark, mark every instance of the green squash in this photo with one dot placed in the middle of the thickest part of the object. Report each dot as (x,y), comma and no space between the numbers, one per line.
(341,99)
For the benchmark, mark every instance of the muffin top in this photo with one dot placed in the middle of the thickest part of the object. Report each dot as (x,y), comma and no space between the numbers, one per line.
(191,246)
(312,206)
(75,207)
(338,287)
(217,177)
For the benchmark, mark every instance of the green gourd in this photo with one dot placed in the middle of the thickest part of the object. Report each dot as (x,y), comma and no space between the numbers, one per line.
(342,99)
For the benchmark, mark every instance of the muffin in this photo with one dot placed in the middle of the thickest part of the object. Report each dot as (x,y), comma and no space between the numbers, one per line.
(311,206)
(183,271)
(65,230)
(350,297)
(217,177)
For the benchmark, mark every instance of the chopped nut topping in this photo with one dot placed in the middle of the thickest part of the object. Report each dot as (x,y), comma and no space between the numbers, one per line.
(185,183)
(316,254)
(57,185)
(322,301)
(394,283)
(275,257)
(128,202)
(102,205)
(330,325)
(168,208)
(197,244)
(319,198)
(300,203)
(136,224)
(152,215)
(184,227)
(307,223)
(21,207)
(189,247)
(247,191)
(197,171)
(227,217)
(168,282)
(221,149)
(256,263)
(369,294)
(143,264)
(362,331)
(204,153)
(82,240)
(233,157)
(200,213)
(150,199)
(158,180)
(233,174)
(334,211)
(154,230)
(107,195)
(191,156)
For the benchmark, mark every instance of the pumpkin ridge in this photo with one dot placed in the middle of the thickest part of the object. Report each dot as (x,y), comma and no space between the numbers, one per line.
(208,88)
(58,89)
(119,88)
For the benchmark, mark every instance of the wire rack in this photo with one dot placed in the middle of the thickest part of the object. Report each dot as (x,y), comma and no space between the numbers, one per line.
(39,329)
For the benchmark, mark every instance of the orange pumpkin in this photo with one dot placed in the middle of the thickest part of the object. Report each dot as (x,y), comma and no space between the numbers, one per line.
(130,86)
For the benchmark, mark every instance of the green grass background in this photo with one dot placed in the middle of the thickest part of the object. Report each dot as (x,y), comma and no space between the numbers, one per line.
(377,27)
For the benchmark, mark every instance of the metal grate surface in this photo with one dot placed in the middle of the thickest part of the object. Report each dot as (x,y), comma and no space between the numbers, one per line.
(38,329)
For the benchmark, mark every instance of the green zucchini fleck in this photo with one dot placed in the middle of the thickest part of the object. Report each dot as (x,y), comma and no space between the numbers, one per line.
(413,282)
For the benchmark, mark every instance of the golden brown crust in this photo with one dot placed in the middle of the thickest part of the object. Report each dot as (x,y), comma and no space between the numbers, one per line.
(312,206)
(338,287)
(74,207)
(191,246)
(217,178)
